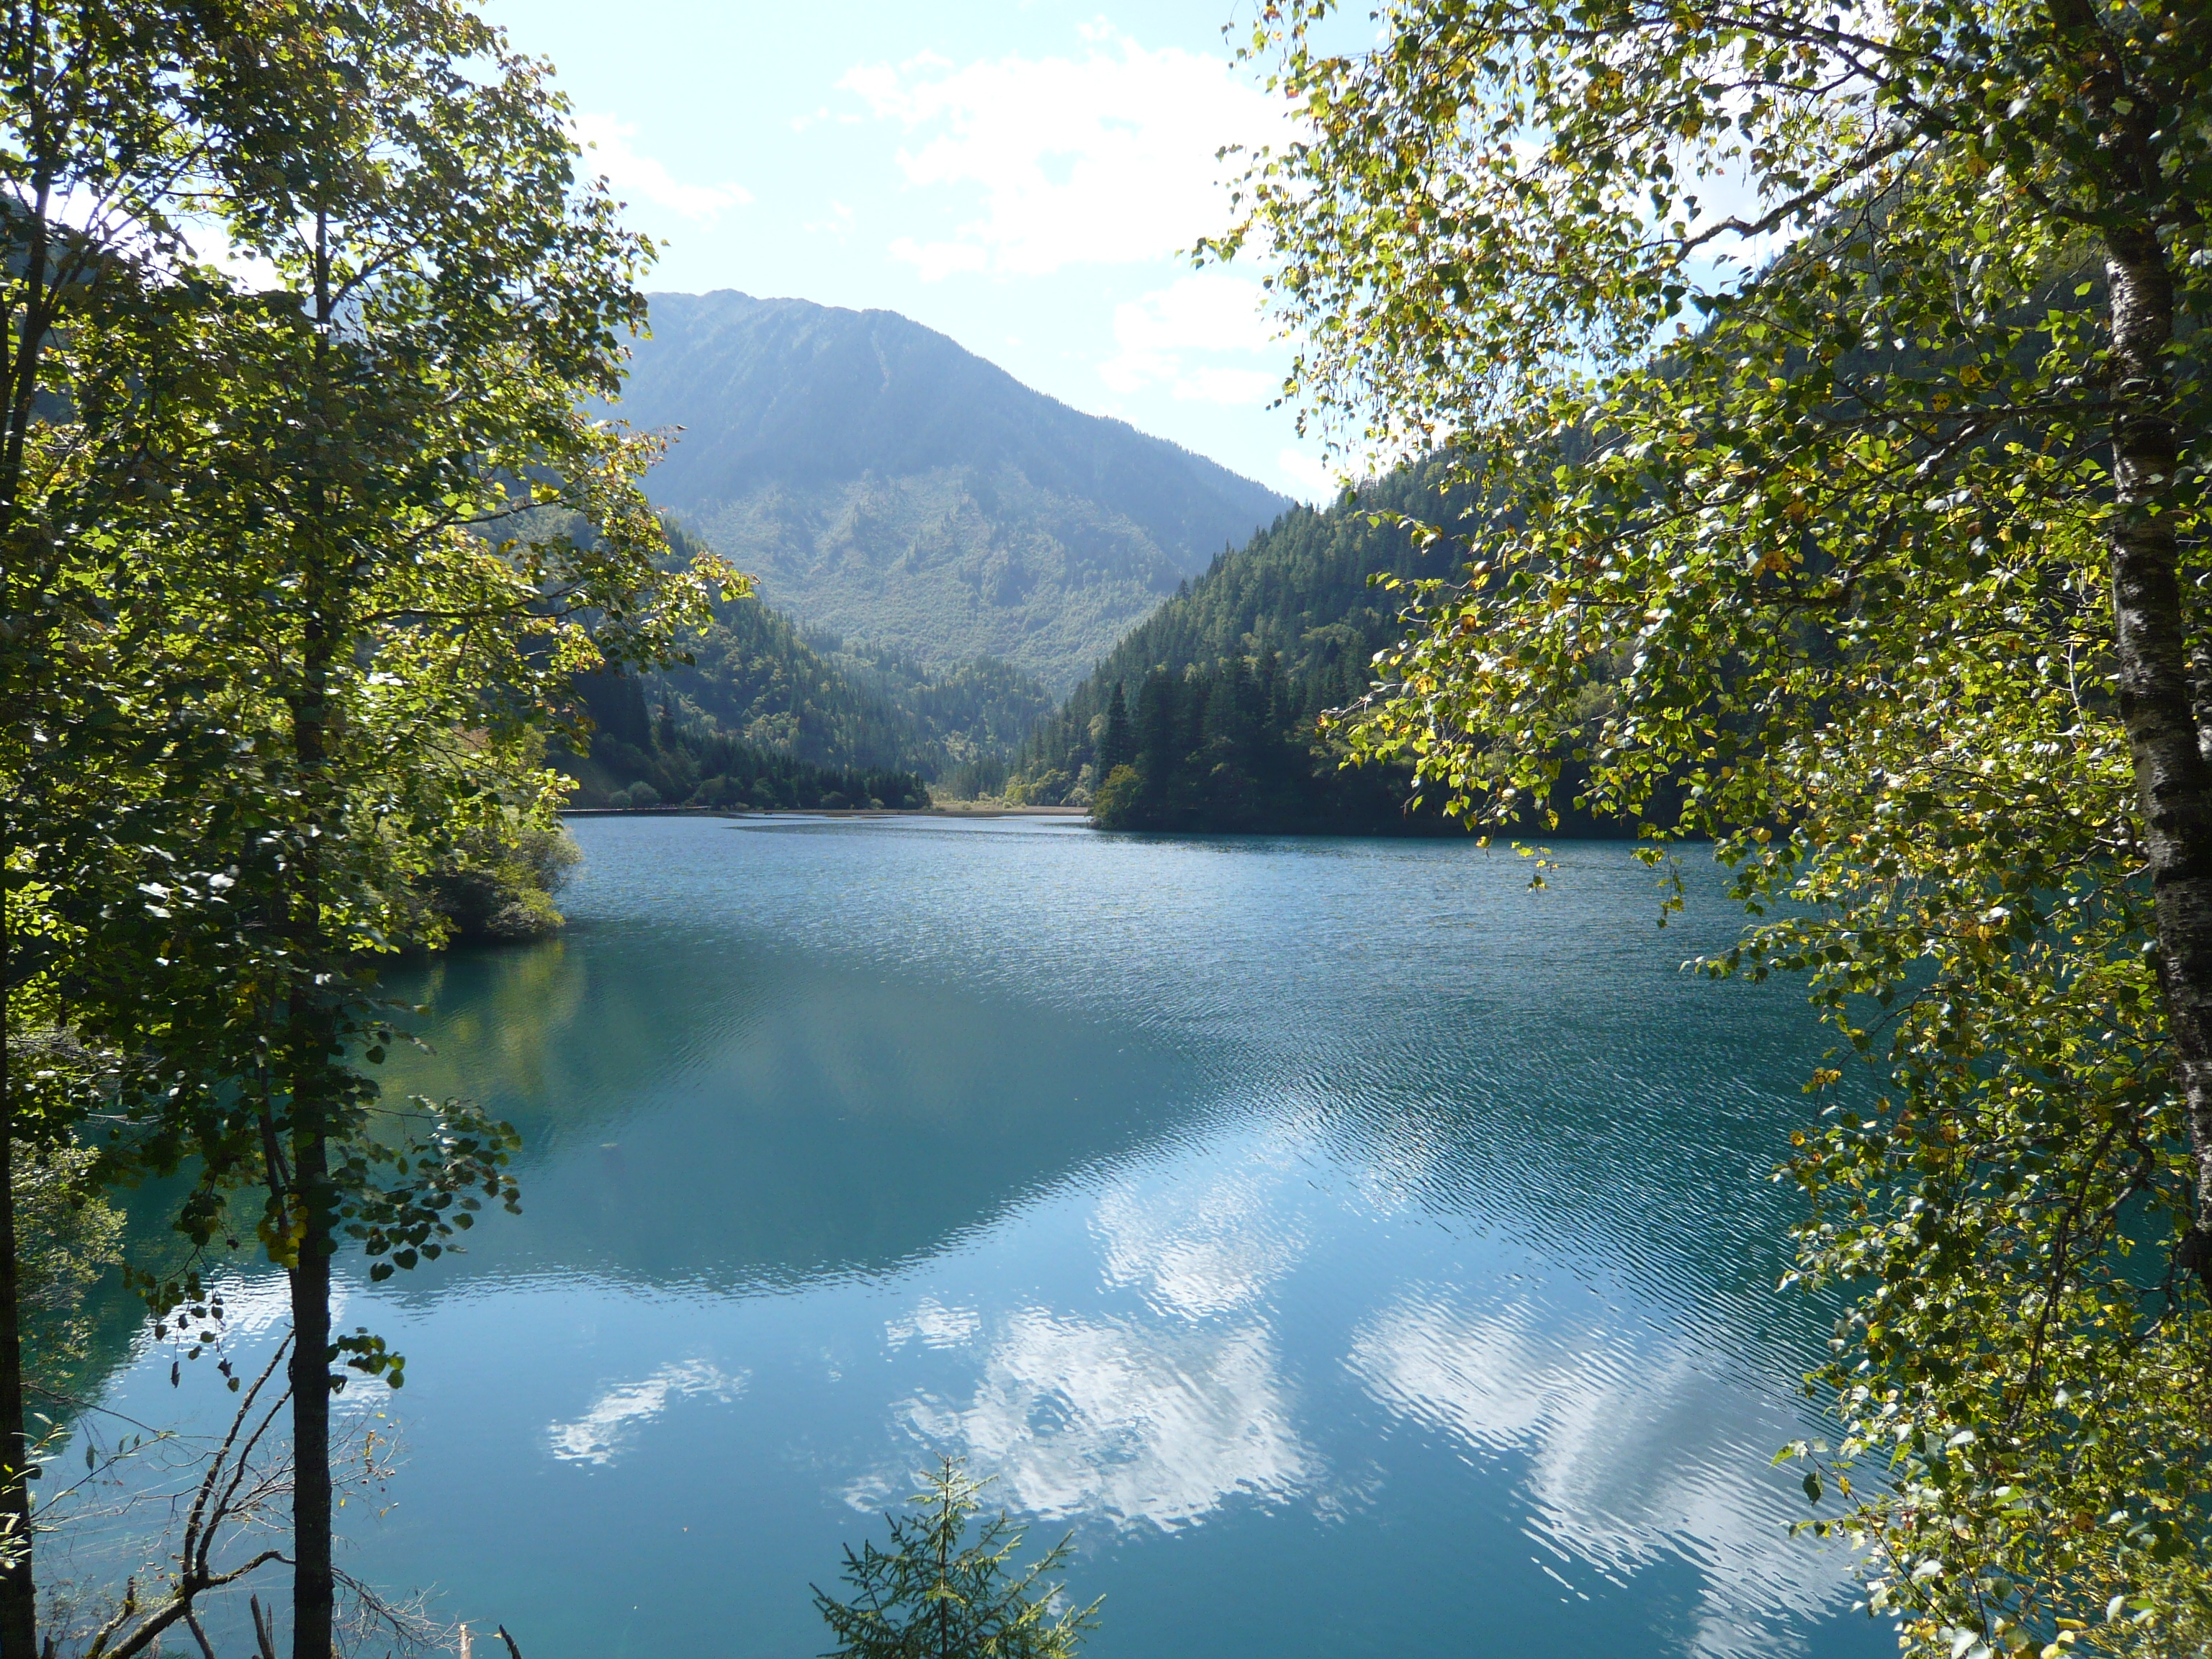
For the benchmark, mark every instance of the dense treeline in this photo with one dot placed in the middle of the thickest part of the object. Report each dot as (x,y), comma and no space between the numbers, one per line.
(759,679)
(1299,588)
(1224,682)
(647,757)
(982,709)
(1234,749)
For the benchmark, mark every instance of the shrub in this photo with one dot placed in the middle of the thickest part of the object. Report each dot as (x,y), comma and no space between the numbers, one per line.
(499,888)
(1115,806)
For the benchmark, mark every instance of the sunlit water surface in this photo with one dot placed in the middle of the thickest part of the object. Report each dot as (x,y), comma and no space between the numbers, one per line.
(1360,1252)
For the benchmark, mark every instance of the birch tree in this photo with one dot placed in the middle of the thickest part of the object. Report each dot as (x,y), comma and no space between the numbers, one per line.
(1833,380)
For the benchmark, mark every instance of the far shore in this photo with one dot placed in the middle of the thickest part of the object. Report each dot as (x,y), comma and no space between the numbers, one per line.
(952,809)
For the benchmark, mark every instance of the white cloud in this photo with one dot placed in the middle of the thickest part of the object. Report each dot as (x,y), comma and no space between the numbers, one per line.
(609,1422)
(607,142)
(1106,159)
(1238,387)
(836,223)
(1213,314)
(1213,311)
(1312,478)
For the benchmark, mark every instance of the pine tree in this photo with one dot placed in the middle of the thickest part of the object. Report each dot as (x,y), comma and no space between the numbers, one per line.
(1118,747)
(932,1596)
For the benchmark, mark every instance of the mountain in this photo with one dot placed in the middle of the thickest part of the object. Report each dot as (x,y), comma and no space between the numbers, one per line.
(1267,637)
(887,486)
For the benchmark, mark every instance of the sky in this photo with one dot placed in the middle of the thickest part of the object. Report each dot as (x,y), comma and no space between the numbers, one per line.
(1022,175)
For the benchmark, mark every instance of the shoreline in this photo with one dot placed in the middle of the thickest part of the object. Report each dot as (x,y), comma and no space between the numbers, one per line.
(962,810)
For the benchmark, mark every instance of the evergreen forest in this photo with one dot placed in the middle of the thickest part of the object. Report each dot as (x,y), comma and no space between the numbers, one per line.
(643,757)
(1212,703)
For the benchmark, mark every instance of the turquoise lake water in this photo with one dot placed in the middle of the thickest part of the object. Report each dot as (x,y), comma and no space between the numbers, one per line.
(1359,1252)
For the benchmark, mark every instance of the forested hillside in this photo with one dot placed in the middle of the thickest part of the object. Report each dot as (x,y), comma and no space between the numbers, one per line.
(883,484)
(643,756)
(759,681)
(1211,701)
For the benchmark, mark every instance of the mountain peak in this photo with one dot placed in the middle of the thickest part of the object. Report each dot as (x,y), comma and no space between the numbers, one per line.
(885,483)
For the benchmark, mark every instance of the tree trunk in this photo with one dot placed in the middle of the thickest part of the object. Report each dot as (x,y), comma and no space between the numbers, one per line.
(311,1039)
(19,1595)
(313,1588)
(31,308)
(2172,777)
(313,1594)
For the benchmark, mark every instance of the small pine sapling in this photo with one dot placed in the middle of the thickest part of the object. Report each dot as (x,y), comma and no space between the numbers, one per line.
(933,1596)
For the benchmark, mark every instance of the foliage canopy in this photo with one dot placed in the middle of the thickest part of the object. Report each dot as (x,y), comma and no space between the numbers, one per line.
(1831,389)
(278,634)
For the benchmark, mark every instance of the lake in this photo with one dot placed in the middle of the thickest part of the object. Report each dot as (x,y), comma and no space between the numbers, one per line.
(1359,1252)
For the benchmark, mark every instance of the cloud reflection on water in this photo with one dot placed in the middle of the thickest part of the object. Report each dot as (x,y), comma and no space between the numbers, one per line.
(1108,1417)
(608,1423)
(1208,1243)
(1637,1447)
(1636,1452)
(1159,1414)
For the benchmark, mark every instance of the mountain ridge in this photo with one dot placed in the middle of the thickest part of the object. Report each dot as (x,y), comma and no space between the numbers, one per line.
(886,484)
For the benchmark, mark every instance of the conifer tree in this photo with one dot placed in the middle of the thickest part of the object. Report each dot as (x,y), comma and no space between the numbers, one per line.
(1115,745)
(935,1594)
